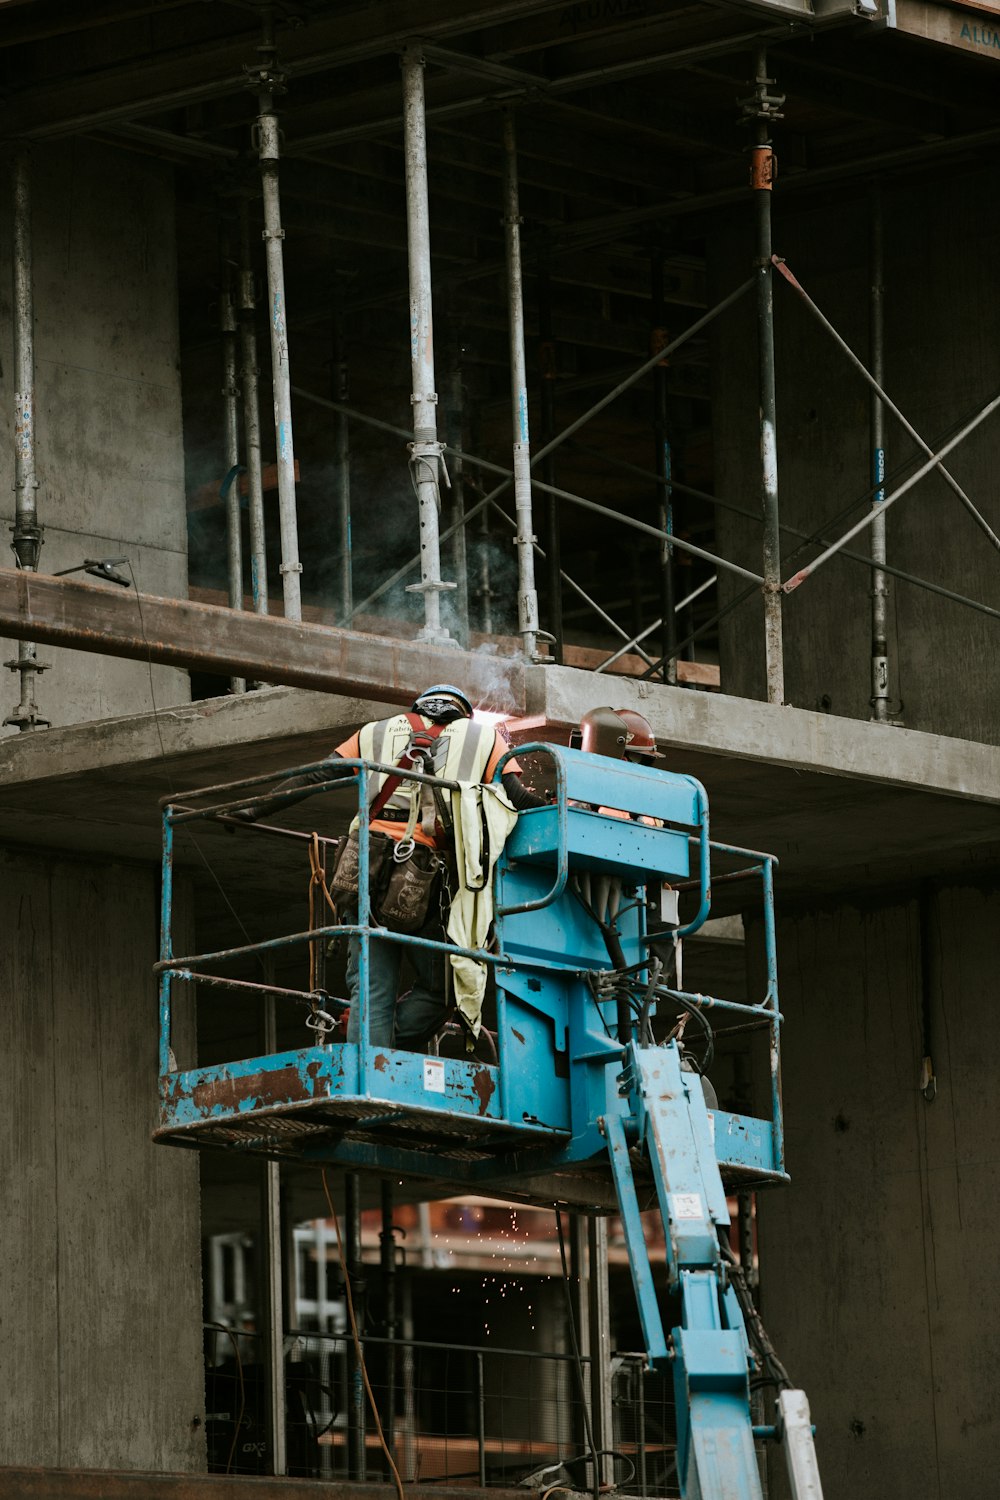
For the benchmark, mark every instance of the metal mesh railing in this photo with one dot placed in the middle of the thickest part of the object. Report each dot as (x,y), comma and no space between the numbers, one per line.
(451,1414)
(642,1410)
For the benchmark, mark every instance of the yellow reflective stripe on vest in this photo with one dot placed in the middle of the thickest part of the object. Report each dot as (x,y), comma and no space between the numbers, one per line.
(385,740)
(468,747)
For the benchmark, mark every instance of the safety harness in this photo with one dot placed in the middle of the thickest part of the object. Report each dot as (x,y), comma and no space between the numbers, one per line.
(425,802)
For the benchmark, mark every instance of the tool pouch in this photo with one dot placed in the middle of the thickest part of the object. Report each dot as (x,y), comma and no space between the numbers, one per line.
(412,890)
(344,879)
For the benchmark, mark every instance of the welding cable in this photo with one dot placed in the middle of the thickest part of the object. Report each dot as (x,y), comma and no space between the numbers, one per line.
(357,1339)
(756,1332)
(579,1457)
(229,480)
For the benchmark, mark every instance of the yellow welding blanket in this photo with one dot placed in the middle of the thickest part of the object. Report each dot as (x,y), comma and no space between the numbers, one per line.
(483,817)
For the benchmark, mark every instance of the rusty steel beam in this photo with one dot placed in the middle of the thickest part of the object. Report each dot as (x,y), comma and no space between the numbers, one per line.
(263,648)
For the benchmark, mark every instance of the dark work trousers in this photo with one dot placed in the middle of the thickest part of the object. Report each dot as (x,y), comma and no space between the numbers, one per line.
(404,1022)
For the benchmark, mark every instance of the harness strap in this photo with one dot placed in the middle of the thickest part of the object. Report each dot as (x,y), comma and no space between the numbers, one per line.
(421,739)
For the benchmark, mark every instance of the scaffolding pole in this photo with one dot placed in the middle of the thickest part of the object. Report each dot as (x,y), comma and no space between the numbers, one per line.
(527,595)
(880,592)
(548,371)
(270,82)
(354,1268)
(664,471)
(490,499)
(764,108)
(27,534)
(634,642)
(601,1410)
(387,1257)
(340,380)
(425,449)
(934,462)
(273,1302)
(889,405)
(485,590)
(249,372)
(456,441)
(571,583)
(803,536)
(231,440)
(550,447)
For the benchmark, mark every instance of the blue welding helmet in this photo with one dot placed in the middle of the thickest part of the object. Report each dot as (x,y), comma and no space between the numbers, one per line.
(442,703)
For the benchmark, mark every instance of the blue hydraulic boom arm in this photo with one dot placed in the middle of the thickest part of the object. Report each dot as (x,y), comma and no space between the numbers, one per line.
(711,1355)
(655,1118)
(670,1124)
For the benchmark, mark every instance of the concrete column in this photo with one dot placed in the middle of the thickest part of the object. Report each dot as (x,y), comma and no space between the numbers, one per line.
(107,448)
(873,1276)
(100,1278)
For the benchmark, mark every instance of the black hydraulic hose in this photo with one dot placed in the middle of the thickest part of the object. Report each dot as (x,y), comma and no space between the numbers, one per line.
(699,1015)
(756,1332)
(613,943)
(645,1026)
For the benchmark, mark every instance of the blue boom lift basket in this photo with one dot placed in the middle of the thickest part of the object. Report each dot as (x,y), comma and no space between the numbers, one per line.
(533,1113)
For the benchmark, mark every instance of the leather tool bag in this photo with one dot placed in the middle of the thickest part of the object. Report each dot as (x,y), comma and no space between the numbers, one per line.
(404,877)
(413,889)
(403,892)
(344,879)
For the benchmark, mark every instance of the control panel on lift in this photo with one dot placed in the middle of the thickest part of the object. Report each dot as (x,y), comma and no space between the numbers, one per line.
(582,1090)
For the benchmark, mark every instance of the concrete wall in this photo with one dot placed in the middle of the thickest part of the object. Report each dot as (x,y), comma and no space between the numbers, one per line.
(109,444)
(942,364)
(100,1312)
(876,1264)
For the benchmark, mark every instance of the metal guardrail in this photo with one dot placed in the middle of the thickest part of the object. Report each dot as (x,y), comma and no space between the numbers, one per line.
(453,1414)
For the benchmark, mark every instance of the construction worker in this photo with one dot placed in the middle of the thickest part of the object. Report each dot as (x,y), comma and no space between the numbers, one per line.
(439,730)
(439,737)
(621,733)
